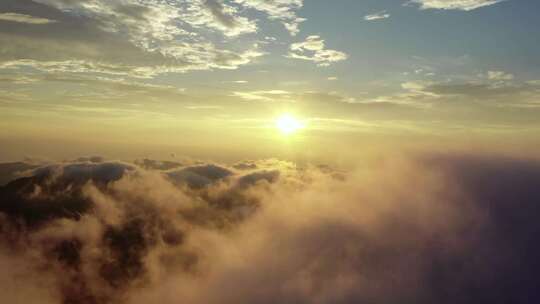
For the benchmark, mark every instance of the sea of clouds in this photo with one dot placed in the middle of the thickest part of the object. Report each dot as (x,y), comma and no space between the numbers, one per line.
(423,229)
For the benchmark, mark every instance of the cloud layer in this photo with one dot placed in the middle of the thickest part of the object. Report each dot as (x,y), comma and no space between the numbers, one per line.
(445,229)
(139,38)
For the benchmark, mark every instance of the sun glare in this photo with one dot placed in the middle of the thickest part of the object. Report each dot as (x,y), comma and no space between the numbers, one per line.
(288,124)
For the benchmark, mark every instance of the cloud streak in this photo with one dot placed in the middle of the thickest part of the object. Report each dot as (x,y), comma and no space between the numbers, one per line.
(464,5)
(377,16)
(22,18)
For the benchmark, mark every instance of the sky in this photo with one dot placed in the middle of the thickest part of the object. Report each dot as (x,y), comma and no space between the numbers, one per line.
(209,77)
(269,151)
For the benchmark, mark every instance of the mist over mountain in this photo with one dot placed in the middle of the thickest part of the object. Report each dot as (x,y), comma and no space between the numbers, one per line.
(429,229)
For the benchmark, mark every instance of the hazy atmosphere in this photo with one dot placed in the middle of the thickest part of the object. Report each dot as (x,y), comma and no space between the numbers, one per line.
(269,151)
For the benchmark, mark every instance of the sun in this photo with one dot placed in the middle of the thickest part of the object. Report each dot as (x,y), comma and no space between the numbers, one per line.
(288,124)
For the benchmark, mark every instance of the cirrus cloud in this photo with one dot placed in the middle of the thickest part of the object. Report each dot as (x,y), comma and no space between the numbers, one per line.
(134,38)
(282,10)
(465,5)
(22,18)
(377,16)
(314,49)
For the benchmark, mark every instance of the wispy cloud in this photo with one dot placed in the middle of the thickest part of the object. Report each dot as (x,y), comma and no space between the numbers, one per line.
(499,75)
(465,5)
(377,16)
(144,38)
(22,18)
(282,10)
(237,81)
(314,49)
(269,95)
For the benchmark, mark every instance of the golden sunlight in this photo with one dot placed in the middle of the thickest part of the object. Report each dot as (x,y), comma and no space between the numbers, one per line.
(288,124)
